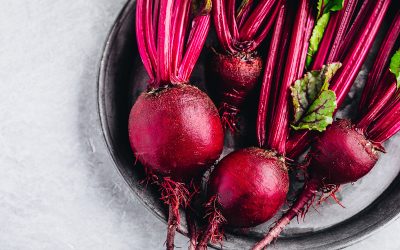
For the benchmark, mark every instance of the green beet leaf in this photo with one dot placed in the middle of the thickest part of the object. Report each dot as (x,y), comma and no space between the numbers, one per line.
(320,113)
(313,103)
(325,7)
(333,5)
(316,37)
(395,66)
(201,7)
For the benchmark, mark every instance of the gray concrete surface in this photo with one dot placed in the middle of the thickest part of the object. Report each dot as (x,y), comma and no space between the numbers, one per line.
(58,187)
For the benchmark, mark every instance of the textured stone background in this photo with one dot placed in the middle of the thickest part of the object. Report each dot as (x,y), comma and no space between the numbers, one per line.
(58,187)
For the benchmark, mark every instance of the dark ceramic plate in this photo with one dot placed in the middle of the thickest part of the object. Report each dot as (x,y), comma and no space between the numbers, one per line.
(370,203)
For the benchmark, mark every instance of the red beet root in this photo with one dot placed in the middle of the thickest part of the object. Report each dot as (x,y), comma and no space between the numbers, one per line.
(174,129)
(240,32)
(236,76)
(346,152)
(245,189)
(164,134)
(266,177)
(341,155)
(250,185)
(357,154)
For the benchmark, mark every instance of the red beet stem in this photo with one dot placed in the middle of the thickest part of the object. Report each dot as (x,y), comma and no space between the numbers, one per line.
(142,30)
(282,55)
(301,205)
(243,12)
(306,41)
(231,16)
(155,15)
(298,142)
(352,63)
(221,26)
(374,112)
(269,70)
(164,41)
(345,19)
(380,64)
(279,123)
(258,40)
(150,36)
(256,19)
(197,38)
(356,26)
(358,52)
(387,79)
(325,45)
(180,23)
(387,125)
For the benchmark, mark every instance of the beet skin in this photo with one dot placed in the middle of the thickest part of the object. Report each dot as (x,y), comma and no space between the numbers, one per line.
(235,77)
(342,154)
(176,131)
(251,185)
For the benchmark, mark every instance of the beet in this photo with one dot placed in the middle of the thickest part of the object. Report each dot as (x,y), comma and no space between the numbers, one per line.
(174,128)
(248,186)
(346,152)
(235,76)
(267,178)
(164,131)
(236,67)
(351,51)
(342,154)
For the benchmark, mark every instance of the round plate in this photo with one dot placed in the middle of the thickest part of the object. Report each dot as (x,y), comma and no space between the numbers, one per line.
(369,204)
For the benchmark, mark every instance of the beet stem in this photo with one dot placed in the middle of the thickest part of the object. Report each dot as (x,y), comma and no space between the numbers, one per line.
(298,142)
(382,61)
(300,206)
(155,15)
(142,30)
(243,13)
(221,26)
(342,81)
(325,46)
(387,125)
(345,19)
(150,36)
(267,82)
(256,19)
(355,27)
(164,41)
(282,55)
(180,22)
(258,40)
(197,38)
(373,113)
(345,77)
(279,122)
(305,42)
(232,19)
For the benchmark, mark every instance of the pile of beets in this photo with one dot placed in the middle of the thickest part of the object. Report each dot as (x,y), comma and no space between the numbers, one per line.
(300,59)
